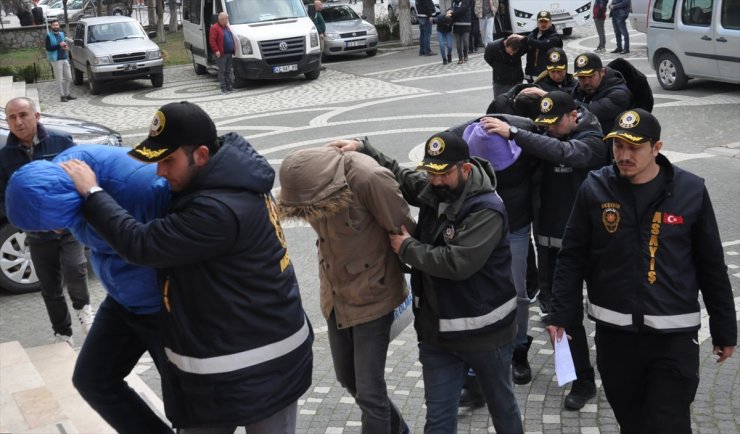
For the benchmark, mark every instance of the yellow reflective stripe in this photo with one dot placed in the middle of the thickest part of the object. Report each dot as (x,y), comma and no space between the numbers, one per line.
(479,322)
(236,361)
(667,322)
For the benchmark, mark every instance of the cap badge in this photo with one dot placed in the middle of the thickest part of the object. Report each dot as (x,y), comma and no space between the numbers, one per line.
(629,120)
(157,124)
(436,146)
(581,61)
(449,233)
(610,216)
(546,105)
(554,57)
(543,14)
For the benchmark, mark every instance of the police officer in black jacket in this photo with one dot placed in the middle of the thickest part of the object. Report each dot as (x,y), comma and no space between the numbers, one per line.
(644,238)
(537,43)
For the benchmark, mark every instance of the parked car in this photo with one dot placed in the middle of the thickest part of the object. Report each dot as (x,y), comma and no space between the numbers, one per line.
(114,48)
(17,274)
(393,9)
(694,39)
(56,10)
(347,33)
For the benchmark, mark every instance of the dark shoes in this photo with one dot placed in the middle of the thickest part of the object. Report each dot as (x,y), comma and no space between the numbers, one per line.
(616,51)
(70,97)
(64,99)
(580,392)
(472,394)
(449,58)
(520,370)
(625,51)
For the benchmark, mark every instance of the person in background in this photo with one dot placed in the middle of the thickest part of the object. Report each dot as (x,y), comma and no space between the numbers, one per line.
(57,52)
(537,43)
(320,23)
(643,237)
(425,11)
(599,14)
(444,37)
(476,14)
(25,17)
(556,76)
(57,256)
(505,58)
(619,10)
(489,9)
(461,14)
(223,46)
(37,13)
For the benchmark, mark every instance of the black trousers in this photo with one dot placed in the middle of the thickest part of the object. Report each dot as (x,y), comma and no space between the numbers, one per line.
(649,379)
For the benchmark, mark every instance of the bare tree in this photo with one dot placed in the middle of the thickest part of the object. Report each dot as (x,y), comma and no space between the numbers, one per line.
(160,20)
(368,10)
(404,22)
(151,7)
(174,12)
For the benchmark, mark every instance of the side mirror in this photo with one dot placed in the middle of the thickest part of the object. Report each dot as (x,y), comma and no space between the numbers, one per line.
(152,34)
(78,43)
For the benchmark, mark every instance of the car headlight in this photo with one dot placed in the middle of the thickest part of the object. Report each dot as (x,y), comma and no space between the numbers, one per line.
(584,8)
(103,60)
(521,14)
(331,36)
(314,38)
(153,54)
(371,30)
(246,45)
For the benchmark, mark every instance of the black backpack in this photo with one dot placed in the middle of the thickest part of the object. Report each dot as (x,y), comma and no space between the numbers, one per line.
(636,82)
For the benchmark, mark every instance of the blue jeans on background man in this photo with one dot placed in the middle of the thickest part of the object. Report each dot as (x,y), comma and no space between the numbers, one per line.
(114,345)
(444,373)
(445,45)
(359,355)
(425,36)
(620,32)
(519,244)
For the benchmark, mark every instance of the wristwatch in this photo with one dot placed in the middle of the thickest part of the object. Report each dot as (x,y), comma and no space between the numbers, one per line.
(93,189)
(513,131)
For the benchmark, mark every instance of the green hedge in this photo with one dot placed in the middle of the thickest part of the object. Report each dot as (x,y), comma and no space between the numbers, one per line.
(25,73)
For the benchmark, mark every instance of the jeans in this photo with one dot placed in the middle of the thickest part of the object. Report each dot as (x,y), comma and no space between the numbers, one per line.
(445,44)
(282,422)
(225,63)
(63,75)
(425,35)
(461,40)
(600,31)
(444,373)
(58,261)
(115,343)
(359,355)
(486,29)
(620,31)
(519,243)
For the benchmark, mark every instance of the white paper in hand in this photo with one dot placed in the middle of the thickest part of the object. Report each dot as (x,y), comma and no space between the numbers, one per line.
(564,369)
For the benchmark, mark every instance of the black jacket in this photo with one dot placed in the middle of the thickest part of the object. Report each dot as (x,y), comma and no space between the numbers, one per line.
(608,101)
(425,9)
(461,16)
(546,83)
(566,162)
(644,272)
(537,46)
(504,103)
(506,69)
(234,330)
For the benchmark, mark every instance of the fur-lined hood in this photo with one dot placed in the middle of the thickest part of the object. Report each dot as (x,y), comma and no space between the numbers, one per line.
(313,184)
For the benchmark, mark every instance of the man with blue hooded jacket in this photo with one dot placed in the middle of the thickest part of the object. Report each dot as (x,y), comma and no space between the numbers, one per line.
(235,333)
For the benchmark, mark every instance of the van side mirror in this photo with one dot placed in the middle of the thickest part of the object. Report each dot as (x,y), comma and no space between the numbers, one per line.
(152,34)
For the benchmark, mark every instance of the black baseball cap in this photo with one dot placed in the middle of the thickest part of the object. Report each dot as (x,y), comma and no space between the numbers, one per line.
(557,60)
(636,126)
(544,15)
(443,150)
(174,125)
(553,106)
(586,64)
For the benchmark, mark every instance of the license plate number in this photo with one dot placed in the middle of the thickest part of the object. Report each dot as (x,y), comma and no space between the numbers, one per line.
(355,43)
(130,67)
(284,68)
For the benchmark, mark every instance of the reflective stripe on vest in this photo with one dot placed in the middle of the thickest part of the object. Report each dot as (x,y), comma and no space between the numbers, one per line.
(550,241)
(236,361)
(462,324)
(667,322)
(608,315)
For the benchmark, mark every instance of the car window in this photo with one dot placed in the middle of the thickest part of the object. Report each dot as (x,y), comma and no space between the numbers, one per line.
(80,31)
(339,13)
(255,11)
(663,11)
(730,15)
(114,31)
(697,12)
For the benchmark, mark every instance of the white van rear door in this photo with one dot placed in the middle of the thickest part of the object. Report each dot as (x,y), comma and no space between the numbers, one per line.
(727,40)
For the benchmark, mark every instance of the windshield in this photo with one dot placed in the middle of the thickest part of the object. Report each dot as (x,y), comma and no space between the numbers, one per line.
(114,32)
(339,13)
(256,11)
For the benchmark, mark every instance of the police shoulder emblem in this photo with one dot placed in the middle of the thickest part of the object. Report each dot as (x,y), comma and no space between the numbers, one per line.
(610,216)
(581,60)
(436,146)
(546,105)
(157,125)
(629,120)
(449,233)
(554,57)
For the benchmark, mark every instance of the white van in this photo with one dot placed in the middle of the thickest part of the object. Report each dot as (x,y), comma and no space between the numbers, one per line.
(694,39)
(521,16)
(274,38)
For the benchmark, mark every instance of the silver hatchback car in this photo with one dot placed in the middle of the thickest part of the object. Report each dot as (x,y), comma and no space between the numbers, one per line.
(347,33)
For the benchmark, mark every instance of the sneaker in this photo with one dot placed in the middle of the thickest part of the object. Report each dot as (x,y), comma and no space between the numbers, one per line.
(224,91)
(63,99)
(431,53)
(616,51)
(544,307)
(580,392)
(625,51)
(70,97)
(86,317)
(64,338)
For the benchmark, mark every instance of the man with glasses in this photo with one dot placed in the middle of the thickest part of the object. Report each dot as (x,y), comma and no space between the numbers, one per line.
(464,296)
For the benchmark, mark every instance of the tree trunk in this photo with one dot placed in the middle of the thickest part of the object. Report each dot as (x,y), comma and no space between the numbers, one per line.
(404,22)
(174,12)
(368,10)
(160,20)
(151,6)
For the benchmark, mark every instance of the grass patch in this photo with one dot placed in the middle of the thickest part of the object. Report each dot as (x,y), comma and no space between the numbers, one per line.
(173,50)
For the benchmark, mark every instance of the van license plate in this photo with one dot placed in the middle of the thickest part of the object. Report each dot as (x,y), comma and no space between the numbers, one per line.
(351,44)
(284,68)
(130,67)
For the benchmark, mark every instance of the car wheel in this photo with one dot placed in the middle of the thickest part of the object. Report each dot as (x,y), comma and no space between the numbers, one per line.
(158,80)
(118,12)
(414,16)
(198,68)
(313,75)
(93,84)
(77,76)
(371,53)
(17,274)
(568,31)
(670,72)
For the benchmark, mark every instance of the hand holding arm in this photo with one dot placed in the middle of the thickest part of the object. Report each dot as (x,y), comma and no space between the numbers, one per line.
(81,174)
(346,145)
(398,239)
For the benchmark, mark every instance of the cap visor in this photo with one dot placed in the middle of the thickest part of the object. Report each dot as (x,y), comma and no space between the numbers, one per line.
(150,152)
(556,67)
(547,120)
(433,167)
(627,136)
(583,72)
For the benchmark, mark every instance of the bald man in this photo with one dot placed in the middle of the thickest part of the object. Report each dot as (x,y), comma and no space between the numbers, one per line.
(222,44)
